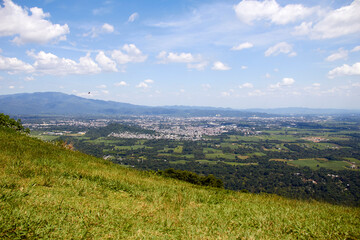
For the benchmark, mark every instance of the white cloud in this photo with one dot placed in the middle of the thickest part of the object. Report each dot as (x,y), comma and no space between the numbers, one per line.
(341,54)
(11,87)
(336,23)
(105,91)
(316,85)
(102,86)
(250,11)
(219,66)
(142,85)
(246,85)
(105,62)
(145,84)
(244,67)
(268,75)
(95,31)
(356,49)
(176,57)
(34,28)
(285,82)
(29,78)
(193,62)
(256,92)
(282,47)
(242,46)
(129,53)
(120,84)
(14,65)
(198,66)
(107,28)
(133,17)
(149,81)
(345,70)
(48,63)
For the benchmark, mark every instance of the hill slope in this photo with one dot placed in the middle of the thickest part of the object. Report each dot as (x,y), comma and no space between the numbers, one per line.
(48,191)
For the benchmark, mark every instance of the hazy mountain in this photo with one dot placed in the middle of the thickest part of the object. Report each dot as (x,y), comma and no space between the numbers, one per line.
(54,103)
(305,111)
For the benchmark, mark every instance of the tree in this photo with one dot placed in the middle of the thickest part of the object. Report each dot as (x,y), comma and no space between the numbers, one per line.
(7,122)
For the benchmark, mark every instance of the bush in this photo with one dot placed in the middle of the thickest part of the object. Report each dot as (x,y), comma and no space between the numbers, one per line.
(193,178)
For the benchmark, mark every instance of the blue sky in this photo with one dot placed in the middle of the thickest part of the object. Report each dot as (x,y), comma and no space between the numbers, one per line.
(238,54)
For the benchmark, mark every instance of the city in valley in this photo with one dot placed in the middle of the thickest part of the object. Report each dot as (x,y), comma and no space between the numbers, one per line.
(295,156)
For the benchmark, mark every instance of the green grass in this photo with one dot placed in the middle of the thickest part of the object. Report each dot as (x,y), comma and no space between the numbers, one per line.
(133,147)
(220,155)
(49,192)
(240,164)
(178,149)
(316,164)
(179,162)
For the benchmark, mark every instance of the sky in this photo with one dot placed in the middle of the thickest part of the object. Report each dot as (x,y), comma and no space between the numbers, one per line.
(220,53)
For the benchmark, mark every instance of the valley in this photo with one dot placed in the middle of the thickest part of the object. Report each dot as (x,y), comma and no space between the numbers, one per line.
(293,156)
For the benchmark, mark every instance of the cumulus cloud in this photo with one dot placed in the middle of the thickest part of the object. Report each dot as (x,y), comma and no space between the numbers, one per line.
(286,82)
(105,62)
(34,28)
(14,65)
(48,63)
(340,54)
(129,53)
(133,17)
(242,46)
(29,78)
(193,61)
(145,84)
(249,11)
(107,28)
(176,57)
(120,84)
(198,66)
(345,70)
(95,31)
(246,85)
(336,23)
(219,66)
(149,81)
(102,86)
(282,47)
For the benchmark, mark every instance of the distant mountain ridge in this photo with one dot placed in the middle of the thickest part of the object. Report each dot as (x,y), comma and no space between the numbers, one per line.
(304,111)
(55,103)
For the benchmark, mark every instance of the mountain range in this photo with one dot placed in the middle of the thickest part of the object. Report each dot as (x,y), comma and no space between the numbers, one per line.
(56,103)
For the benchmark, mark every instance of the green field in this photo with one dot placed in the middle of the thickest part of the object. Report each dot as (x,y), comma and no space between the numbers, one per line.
(133,147)
(178,149)
(220,156)
(316,164)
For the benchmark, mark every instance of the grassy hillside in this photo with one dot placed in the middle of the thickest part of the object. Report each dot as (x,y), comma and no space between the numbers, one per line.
(47,191)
